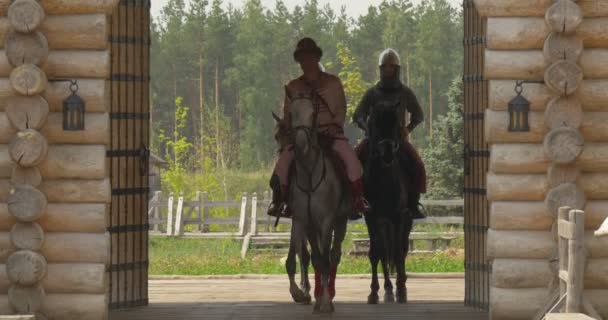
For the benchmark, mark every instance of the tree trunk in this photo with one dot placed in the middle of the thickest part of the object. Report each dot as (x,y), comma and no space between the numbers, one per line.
(201,97)
(219,155)
(430,106)
(174,137)
(407,69)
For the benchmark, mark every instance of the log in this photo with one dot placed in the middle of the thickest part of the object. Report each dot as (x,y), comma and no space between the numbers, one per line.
(70,247)
(77,191)
(30,176)
(564,112)
(533,187)
(69,64)
(83,278)
(77,247)
(74,162)
(96,93)
(69,32)
(27,236)
(26,299)
(522,304)
(25,15)
(563,145)
(530,158)
(521,65)
(566,194)
(524,187)
(25,268)
(564,77)
(533,215)
(516,304)
(27,79)
(564,16)
(30,48)
(594,128)
(593,95)
(69,306)
(506,33)
(63,7)
(559,46)
(530,64)
(517,244)
(26,203)
(520,273)
(537,8)
(562,173)
(593,61)
(27,112)
(28,148)
(522,33)
(96,130)
(69,191)
(59,217)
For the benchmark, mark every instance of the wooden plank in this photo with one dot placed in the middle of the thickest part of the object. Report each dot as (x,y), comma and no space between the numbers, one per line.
(178,217)
(576,263)
(567,316)
(254,215)
(565,229)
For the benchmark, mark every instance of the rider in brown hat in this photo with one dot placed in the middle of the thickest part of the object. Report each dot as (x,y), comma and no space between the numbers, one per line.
(331,117)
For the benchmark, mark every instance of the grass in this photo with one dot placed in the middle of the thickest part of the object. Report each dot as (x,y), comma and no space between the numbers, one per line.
(190,256)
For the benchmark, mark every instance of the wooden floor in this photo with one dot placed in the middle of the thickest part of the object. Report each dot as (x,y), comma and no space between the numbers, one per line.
(267,298)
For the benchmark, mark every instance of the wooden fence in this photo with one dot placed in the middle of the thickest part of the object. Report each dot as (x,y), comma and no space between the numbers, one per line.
(568,296)
(181,213)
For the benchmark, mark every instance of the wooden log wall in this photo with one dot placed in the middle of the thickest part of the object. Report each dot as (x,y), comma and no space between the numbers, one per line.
(55,185)
(561,161)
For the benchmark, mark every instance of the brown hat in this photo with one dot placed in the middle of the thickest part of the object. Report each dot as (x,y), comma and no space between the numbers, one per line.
(307,45)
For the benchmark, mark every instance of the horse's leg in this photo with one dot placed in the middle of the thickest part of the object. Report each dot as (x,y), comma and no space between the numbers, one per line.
(290,265)
(387,247)
(402,275)
(374,258)
(304,263)
(316,265)
(325,264)
(336,253)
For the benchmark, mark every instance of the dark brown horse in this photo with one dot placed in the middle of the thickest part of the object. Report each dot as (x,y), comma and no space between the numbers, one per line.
(389,225)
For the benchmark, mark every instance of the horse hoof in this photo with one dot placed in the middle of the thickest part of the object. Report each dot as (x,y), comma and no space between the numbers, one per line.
(326,308)
(402,299)
(298,295)
(372,299)
(307,299)
(389,297)
(317,307)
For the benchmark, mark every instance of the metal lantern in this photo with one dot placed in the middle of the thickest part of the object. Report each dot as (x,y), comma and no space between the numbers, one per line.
(73,110)
(519,109)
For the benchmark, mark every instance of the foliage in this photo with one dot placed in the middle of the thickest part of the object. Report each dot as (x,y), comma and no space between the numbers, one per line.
(354,86)
(175,176)
(444,157)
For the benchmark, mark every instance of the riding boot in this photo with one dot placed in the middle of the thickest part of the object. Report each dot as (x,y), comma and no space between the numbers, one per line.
(360,204)
(278,206)
(318,284)
(414,206)
(332,281)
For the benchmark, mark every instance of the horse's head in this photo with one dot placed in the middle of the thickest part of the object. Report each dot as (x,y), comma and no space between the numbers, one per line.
(385,135)
(302,115)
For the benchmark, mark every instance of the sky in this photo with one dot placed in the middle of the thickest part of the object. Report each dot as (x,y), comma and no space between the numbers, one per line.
(354,8)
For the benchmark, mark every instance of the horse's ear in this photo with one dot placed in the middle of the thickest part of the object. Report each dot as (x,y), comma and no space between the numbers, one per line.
(276,118)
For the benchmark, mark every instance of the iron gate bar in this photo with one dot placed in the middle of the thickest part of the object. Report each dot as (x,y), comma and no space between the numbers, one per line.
(129,77)
(129,228)
(129,40)
(129,116)
(129,266)
(474,116)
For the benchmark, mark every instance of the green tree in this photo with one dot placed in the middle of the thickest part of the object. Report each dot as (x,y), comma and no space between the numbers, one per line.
(179,150)
(354,86)
(444,156)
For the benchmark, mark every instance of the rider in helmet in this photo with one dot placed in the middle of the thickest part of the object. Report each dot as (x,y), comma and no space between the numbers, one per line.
(331,117)
(391,91)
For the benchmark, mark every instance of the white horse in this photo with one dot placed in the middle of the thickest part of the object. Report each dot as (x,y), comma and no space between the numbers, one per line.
(320,203)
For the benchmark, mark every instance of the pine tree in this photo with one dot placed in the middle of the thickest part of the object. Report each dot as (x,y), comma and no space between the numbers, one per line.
(444,156)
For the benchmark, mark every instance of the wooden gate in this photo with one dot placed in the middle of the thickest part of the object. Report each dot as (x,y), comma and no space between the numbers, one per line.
(128,154)
(476,159)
